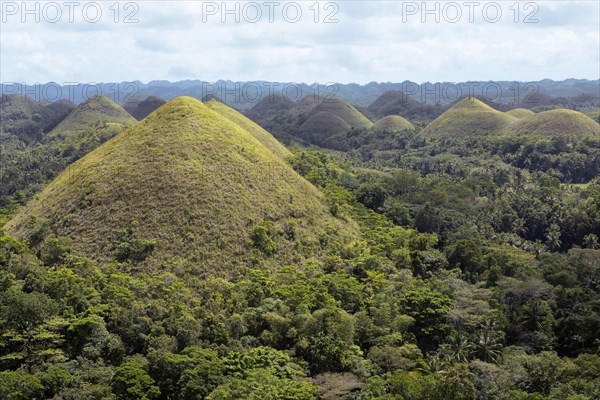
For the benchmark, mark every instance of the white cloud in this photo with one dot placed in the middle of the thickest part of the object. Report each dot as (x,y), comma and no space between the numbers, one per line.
(371,42)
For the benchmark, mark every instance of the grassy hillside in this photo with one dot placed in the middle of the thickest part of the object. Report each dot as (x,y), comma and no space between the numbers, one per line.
(140,110)
(556,123)
(28,120)
(395,102)
(520,113)
(97,109)
(322,126)
(393,123)
(392,102)
(268,106)
(320,119)
(304,105)
(255,130)
(343,110)
(469,117)
(187,190)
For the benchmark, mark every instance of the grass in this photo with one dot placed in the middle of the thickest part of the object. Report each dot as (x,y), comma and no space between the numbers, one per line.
(322,126)
(468,118)
(269,105)
(140,110)
(94,110)
(555,123)
(195,183)
(254,129)
(520,113)
(27,120)
(342,110)
(392,123)
(321,119)
(392,102)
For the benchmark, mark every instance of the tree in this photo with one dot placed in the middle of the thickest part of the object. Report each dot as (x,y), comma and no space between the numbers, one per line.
(488,345)
(262,238)
(261,384)
(19,385)
(467,255)
(132,382)
(429,309)
(372,195)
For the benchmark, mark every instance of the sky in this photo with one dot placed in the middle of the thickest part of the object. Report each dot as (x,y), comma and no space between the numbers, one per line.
(303,41)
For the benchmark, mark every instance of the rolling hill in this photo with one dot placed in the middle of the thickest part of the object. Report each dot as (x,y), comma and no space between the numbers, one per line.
(29,120)
(186,189)
(468,117)
(268,106)
(96,110)
(520,113)
(555,123)
(392,102)
(395,102)
(392,123)
(321,119)
(140,110)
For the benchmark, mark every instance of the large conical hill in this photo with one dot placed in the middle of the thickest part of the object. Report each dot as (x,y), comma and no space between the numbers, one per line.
(185,189)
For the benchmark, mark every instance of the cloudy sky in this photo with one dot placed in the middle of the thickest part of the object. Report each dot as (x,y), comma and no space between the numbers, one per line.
(342,41)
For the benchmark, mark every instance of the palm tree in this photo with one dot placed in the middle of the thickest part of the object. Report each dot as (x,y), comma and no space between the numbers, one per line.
(534,314)
(460,347)
(488,346)
(434,364)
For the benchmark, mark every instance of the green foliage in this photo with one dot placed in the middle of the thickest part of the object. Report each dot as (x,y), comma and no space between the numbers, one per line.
(131,381)
(429,309)
(19,386)
(262,238)
(261,384)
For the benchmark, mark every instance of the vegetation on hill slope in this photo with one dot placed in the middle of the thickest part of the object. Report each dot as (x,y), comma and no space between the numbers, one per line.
(321,119)
(26,120)
(141,109)
(188,190)
(268,106)
(97,109)
(392,123)
(395,102)
(469,117)
(556,123)
(520,113)
(251,127)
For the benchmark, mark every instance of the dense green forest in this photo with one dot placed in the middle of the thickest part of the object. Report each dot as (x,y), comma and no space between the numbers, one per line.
(474,275)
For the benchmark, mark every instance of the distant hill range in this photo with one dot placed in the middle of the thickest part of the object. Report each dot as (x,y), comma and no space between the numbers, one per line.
(577,94)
